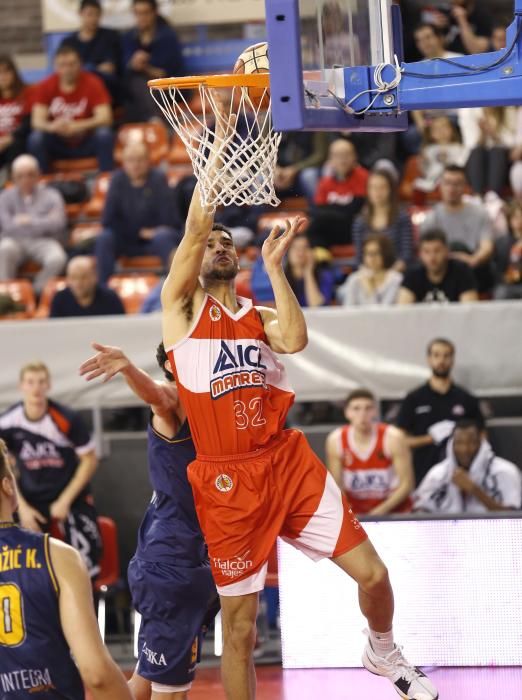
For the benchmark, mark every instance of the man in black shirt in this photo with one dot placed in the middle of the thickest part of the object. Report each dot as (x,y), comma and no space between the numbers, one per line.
(438,278)
(428,414)
(83,296)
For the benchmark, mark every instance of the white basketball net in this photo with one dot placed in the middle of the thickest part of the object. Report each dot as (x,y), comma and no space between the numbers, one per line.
(239,168)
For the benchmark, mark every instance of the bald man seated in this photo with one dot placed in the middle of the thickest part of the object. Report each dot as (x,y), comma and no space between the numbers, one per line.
(138,214)
(83,296)
(32,224)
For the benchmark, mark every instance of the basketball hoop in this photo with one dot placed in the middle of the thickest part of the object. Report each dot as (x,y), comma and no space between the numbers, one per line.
(239,167)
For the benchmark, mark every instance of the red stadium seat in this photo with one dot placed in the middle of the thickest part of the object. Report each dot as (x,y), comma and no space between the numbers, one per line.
(22,292)
(82,234)
(140,263)
(153,134)
(178,153)
(343,251)
(109,579)
(52,286)
(94,207)
(133,289)
(74,165)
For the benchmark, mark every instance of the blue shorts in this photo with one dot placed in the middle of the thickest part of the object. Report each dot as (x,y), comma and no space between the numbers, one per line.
(176,603)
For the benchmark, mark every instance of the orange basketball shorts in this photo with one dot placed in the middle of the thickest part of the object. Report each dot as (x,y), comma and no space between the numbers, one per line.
(245,501)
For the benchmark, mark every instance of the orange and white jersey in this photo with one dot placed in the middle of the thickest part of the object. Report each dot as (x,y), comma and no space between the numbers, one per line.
(369,477)
(232,386)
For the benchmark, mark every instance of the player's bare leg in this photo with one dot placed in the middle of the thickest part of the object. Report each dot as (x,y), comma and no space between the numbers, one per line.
(169,696)
(139,686)
(381,655)
(238,674)
(365,566)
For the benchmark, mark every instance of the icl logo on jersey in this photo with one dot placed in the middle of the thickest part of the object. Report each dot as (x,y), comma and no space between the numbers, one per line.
(239,358)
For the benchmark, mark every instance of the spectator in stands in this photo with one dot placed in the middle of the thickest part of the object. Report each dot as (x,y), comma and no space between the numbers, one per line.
(152,301)
(312,282)
(437,277)
(71,115)
(83,296)
(489,134)
(428,414)
(466,26)
(339,197)
(370,461)
(466,225)
(15,111)
(150,50)
(137,214)
(498,37)
(376,281)
(377,151)
(55,462)
(382,214)
(299,159)
(32,224)
(443,147)
(99,48)
(429,40)
(472,479)
(509,257)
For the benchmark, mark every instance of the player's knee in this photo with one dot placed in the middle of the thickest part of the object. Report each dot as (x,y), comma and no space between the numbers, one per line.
(376,577)
(240,636)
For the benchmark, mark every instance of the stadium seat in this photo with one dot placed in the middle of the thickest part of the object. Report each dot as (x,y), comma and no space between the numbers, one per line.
(153,134)
(94,207)
(29,269)
(140,263)
(21,291)
(345,252)
(133,289)
(266,222)
(108,580)
(52,286)
(178,153)
(74,165)
(295,204)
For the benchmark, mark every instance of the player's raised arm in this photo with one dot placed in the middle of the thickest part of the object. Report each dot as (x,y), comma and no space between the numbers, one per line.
(183,278)
(285,326)
(98,671)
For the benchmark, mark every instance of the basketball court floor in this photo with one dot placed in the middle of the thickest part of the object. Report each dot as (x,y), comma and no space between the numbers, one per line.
(357,684)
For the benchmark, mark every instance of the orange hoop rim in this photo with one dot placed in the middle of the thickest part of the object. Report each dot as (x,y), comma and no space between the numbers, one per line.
(189,82)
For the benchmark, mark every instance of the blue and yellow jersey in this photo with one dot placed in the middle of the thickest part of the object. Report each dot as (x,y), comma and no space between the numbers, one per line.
(35,659)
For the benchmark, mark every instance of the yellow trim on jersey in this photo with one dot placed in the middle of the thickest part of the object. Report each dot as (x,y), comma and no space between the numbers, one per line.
(166,439)
(48,561)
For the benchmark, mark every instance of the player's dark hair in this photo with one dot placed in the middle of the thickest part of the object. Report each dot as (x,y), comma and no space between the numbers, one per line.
(359,394)
(386,248)
(440,341)
(453,168)
(90,3)
(433,234)
(3,460)
(221,227)
(67,48)
(467,424)
(427,25)
(162,357)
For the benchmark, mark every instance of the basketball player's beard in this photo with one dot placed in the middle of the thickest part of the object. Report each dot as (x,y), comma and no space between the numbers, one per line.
(223,275)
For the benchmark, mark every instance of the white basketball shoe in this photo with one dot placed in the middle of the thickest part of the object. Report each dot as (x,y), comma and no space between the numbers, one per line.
(409,681)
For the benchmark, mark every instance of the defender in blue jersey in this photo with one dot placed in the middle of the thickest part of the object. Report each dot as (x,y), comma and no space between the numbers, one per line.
(46,612)
(169,576)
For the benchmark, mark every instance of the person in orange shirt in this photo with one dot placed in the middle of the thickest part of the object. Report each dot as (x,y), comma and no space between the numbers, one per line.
(370,461)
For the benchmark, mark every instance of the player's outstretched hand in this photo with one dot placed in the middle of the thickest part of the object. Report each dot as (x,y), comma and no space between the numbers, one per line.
(107,362)
(276,245)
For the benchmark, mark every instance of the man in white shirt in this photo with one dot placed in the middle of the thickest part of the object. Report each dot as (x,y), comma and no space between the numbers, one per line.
(471,479)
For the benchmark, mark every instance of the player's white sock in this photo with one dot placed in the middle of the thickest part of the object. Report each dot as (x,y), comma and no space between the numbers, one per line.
(382,642)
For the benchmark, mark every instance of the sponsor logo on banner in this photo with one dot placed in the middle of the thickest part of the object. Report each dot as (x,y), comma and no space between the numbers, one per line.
(234,567)
(224,483)
(244,361)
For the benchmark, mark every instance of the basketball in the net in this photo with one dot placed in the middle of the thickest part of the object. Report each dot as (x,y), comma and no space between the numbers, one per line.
(254,59)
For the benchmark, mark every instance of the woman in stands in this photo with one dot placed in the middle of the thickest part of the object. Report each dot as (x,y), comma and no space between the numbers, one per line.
(15,109)
(383,215)
(312,282)
(376,282)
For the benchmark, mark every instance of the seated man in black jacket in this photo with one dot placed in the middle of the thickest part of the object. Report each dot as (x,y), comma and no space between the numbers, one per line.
(138,214)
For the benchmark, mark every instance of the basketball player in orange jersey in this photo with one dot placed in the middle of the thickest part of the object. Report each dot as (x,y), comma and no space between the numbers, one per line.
(252,480)
(370,461)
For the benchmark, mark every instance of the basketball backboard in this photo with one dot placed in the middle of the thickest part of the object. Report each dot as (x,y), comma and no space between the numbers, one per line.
(311,43)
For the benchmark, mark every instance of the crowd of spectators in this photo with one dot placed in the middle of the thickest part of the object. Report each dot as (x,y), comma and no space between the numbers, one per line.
(456,169)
